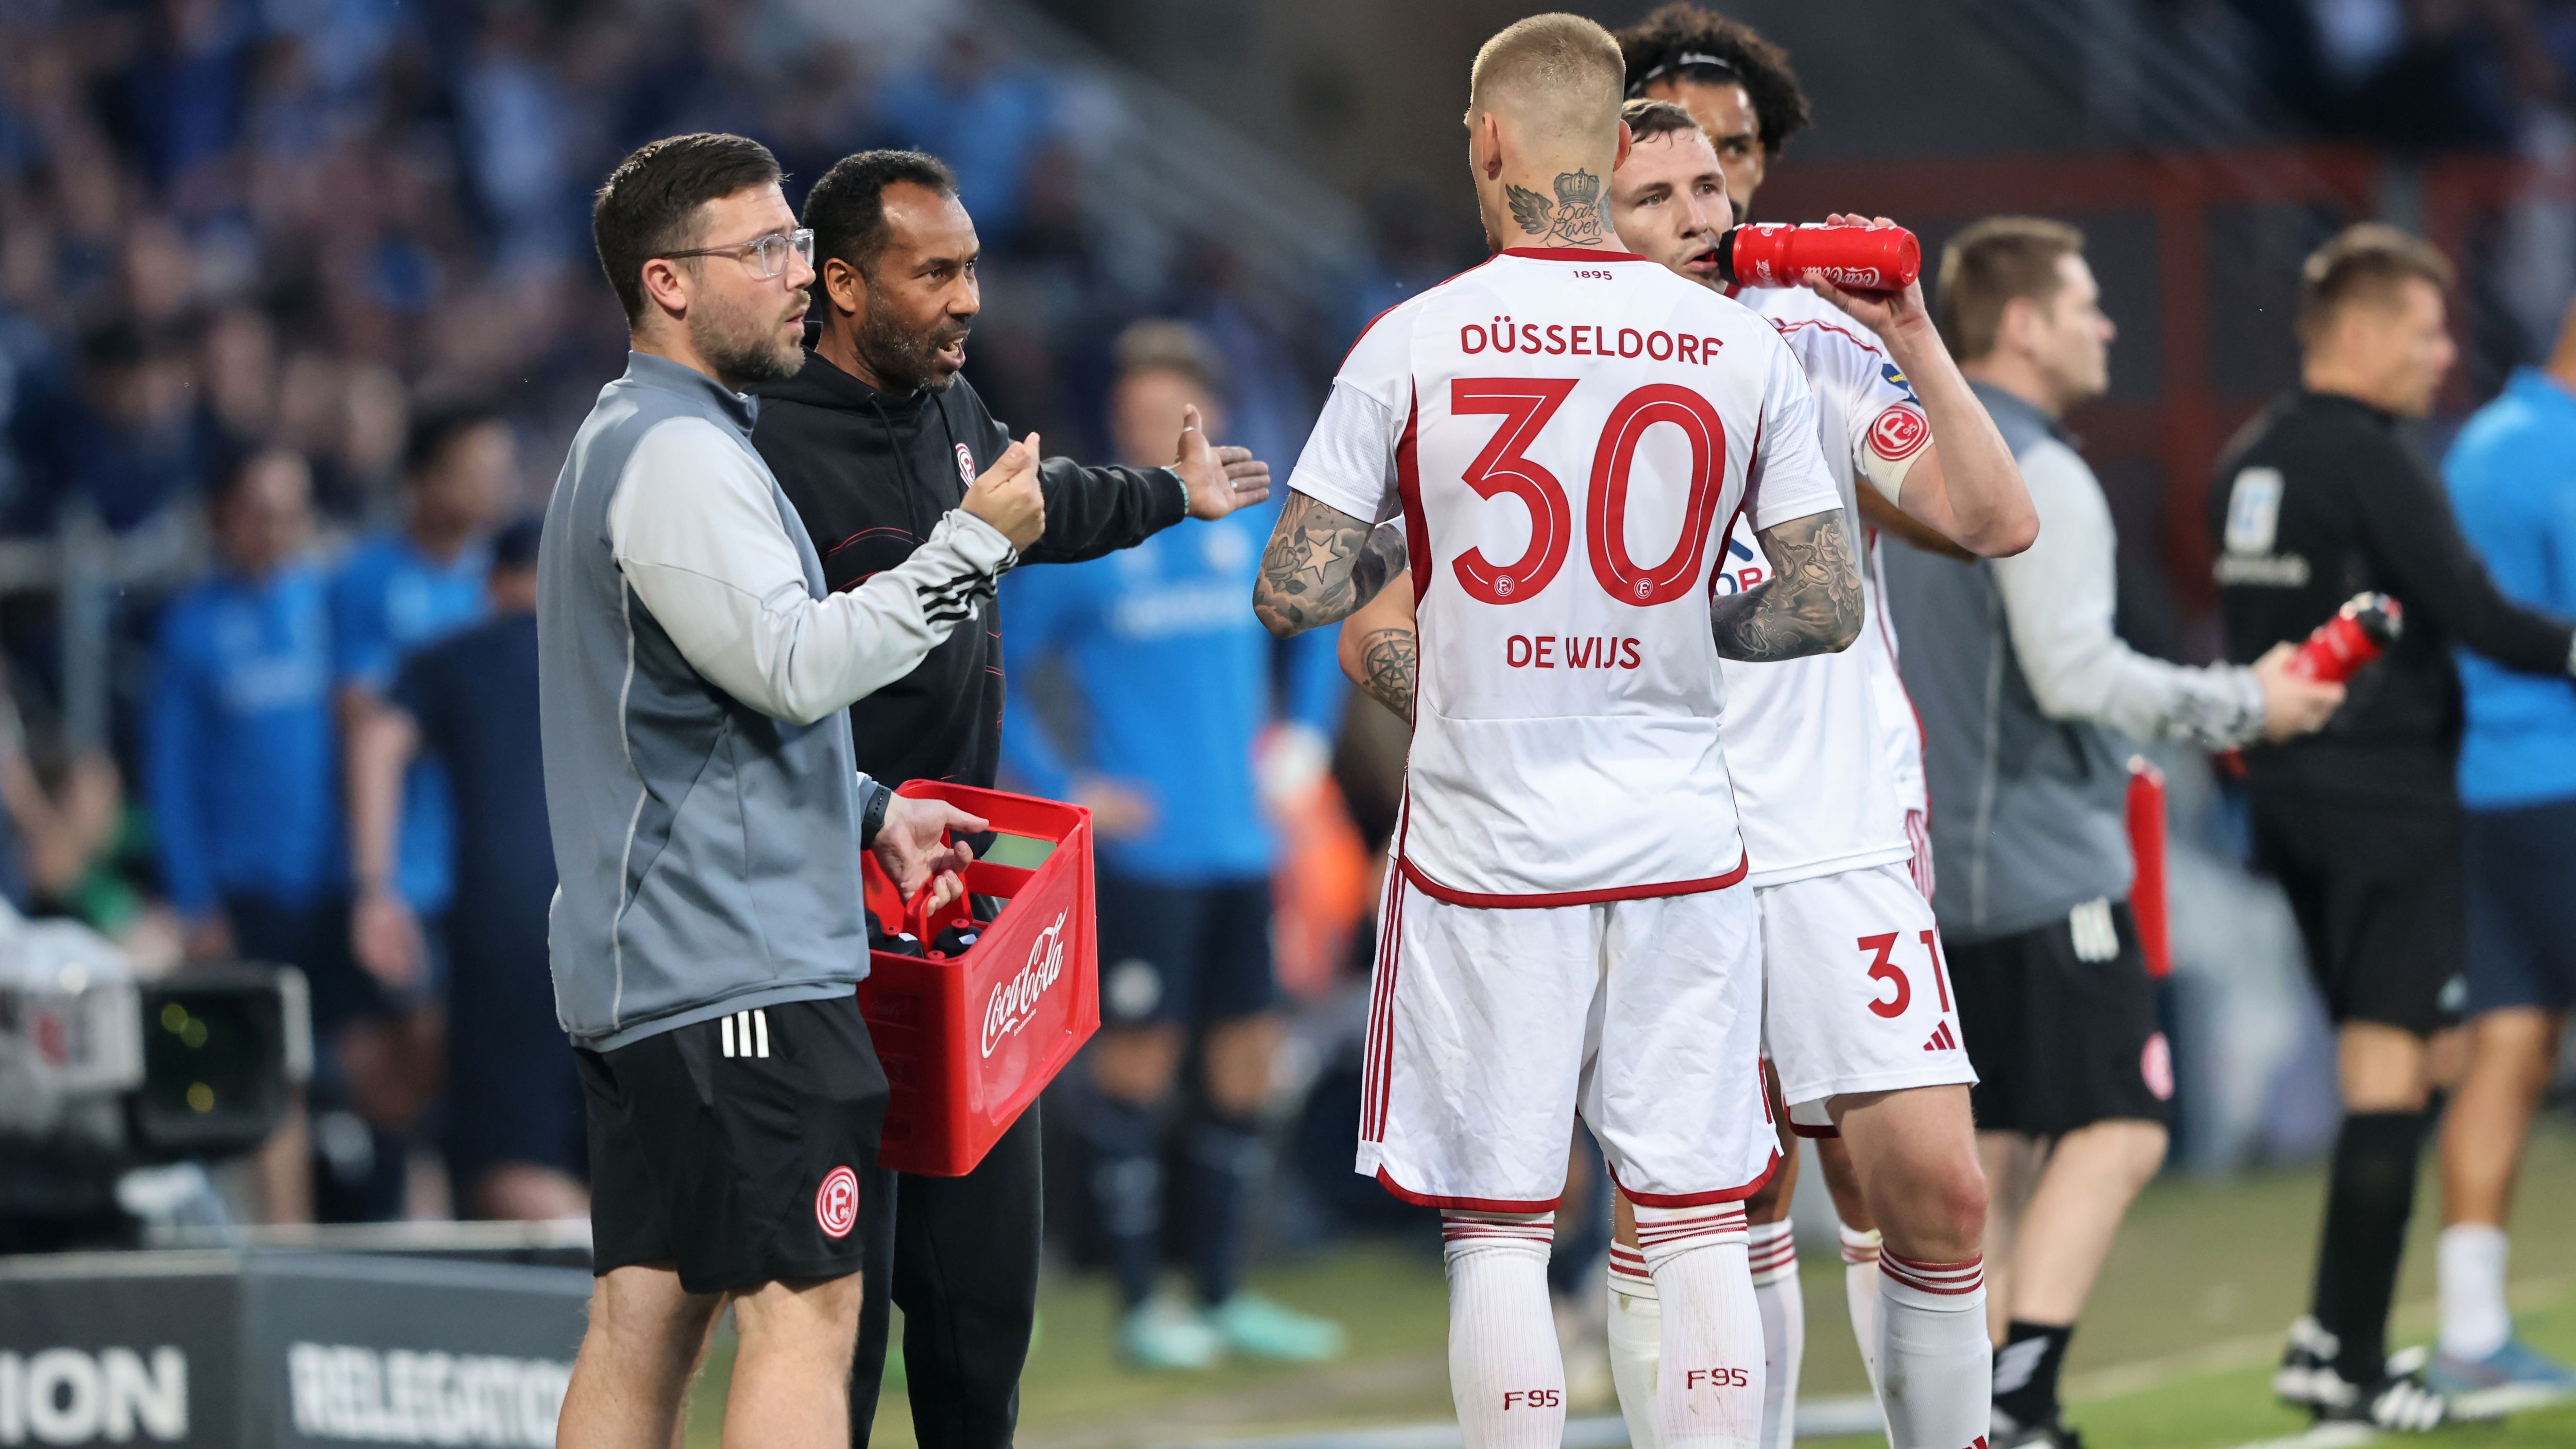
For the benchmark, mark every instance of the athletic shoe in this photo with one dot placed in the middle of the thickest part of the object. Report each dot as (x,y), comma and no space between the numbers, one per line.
(2397,1402)
(1159,1334)
(2307,1363)
(1256,1327)
(2512,1378)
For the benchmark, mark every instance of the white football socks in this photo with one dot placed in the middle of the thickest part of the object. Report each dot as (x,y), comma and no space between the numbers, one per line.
(1504,1369)
(1935,1365)
(2475,1321)
(1860,1294)
(1708,1384)
(1636,1343)
(1773,1251)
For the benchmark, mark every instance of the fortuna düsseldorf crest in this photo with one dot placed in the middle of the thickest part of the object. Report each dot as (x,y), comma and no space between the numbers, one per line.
(836,1202)
(1899,432)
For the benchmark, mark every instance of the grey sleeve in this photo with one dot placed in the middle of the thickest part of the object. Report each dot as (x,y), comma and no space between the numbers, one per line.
(2059,595)
(696,530)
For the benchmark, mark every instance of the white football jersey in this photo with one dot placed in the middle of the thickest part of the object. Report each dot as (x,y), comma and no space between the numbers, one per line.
(1812,740)
(1569,436)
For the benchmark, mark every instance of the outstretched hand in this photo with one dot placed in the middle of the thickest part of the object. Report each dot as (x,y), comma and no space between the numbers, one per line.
(913,847)
(1881,312)
(1219,480)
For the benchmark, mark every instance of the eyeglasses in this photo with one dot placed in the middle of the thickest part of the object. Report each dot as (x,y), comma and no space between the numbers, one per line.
(768,252)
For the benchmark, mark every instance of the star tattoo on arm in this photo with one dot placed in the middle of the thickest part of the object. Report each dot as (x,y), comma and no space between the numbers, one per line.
(1321,564)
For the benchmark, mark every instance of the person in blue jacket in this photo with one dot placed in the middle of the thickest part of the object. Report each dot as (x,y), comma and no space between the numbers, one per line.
(2512,477)
(402,588)
(1173,678)
(240,757)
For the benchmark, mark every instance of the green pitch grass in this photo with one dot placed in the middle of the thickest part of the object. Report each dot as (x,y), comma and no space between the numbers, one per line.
(2175,1353)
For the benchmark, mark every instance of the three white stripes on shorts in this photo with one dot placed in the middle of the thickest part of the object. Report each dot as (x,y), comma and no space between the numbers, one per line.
(750,1028)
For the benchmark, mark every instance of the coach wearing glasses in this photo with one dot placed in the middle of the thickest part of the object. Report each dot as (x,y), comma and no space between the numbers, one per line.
(708,817)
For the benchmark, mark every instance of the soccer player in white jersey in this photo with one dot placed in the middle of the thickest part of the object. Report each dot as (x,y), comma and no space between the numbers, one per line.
(1569,434)
(1844,927)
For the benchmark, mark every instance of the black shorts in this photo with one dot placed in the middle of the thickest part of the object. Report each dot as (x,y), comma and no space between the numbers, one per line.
(1189,954)
(2060,1023)
(2521,881)
(733,1148)
(2375,885)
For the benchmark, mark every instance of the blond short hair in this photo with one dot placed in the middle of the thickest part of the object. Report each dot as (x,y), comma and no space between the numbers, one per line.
(1561,75)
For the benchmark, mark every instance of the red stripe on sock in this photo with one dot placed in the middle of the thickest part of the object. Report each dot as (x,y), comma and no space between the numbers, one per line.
(1943,1278)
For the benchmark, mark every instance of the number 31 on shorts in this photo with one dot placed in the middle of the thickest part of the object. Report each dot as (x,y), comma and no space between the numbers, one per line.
(1881,951)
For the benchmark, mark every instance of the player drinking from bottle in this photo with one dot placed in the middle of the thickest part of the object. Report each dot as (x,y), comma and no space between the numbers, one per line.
(1568,432)
(1856,1009)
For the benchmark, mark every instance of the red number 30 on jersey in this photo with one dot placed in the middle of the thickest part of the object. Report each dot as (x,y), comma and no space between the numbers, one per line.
(1504,467)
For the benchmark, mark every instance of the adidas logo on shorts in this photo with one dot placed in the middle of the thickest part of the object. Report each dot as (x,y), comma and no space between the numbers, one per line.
(1943,1039)
(746,1033)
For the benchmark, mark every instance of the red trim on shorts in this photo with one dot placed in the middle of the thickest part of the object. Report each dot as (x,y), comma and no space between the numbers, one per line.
(1696,1199)
(1379,1059)
(1465,1204)
(1569,254)
(1452,896)
(1813,1134)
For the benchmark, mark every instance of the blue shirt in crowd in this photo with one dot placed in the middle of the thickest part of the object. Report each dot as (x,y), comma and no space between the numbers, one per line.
(242,770)
(1174,677)
(387,600)
(2512,474)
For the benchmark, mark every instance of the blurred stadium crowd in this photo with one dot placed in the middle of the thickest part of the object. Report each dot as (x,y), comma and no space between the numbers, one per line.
(329,261)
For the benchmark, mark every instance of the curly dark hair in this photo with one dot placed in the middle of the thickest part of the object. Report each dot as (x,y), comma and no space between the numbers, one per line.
(1677,30)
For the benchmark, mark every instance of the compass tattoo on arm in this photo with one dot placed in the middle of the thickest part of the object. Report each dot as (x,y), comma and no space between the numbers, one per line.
(1573,219)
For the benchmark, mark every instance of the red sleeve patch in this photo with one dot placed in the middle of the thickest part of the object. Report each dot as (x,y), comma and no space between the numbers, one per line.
(1899,432)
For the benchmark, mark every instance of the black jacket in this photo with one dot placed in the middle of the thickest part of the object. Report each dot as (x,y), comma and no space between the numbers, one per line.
(2317,500)
(870,473)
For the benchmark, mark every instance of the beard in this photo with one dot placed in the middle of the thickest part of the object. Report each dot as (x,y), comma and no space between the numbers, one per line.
(906,360)
(743,352)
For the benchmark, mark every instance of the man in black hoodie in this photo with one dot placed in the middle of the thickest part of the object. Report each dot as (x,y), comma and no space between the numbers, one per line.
(873,440)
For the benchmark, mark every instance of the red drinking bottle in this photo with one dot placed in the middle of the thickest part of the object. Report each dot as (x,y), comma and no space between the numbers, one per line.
(2366,625)
(1856,258)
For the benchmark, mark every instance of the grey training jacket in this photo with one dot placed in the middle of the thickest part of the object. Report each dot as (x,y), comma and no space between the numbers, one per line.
(2027,692)
(707,836)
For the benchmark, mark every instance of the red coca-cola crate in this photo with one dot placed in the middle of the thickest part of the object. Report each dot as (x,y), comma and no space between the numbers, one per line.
(969,1041)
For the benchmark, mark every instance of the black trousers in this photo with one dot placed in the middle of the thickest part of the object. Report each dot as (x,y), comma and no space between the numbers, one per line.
(960,1256)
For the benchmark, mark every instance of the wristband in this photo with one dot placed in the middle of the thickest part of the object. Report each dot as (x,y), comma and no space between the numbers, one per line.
(872,811)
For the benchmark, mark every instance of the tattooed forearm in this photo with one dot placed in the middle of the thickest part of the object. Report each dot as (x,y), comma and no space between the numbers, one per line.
(1388,657)
(1321,564)
(1573,219)
(1812,603)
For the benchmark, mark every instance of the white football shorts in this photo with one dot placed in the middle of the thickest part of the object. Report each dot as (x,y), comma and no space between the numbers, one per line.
(1489,1029)
(1856,997)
